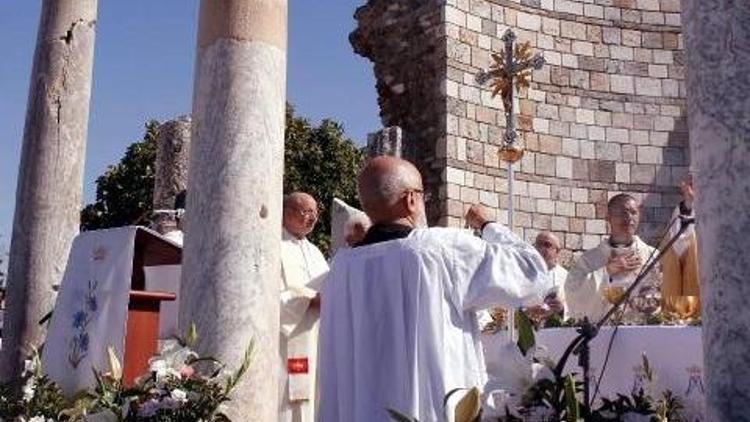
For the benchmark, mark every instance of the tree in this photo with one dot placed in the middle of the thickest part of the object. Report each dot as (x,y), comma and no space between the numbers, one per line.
(124,193)
(319,160)
(322,162)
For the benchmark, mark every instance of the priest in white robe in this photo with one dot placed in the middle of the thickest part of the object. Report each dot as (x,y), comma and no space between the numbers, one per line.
(680,262)
(303,270)
(549,247)
(398,323)
(614,263)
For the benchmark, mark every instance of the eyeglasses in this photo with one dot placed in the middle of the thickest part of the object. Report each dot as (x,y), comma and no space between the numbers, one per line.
(308,213)
(425,195)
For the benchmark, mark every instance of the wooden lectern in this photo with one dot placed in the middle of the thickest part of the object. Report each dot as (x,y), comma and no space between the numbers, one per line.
(142,330)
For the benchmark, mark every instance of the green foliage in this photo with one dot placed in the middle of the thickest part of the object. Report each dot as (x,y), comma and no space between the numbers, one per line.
(124,193)
(322,162)
(526,338)
(180,386)
(39,396)
(319,160)
(572,412)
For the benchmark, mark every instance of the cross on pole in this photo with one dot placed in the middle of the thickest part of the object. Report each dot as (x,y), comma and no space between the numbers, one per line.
(511,71)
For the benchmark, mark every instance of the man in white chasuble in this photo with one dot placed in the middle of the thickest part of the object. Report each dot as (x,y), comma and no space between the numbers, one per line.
(603,273)
(303,270)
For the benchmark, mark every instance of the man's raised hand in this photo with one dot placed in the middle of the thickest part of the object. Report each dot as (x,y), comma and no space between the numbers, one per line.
(476,217)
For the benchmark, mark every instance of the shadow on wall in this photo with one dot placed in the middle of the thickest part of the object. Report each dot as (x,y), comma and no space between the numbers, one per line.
(657,206)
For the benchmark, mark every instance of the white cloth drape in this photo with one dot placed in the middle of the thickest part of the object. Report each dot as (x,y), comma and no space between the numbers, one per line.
(91,310)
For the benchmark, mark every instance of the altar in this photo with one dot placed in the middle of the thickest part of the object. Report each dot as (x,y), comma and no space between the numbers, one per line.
(674,353)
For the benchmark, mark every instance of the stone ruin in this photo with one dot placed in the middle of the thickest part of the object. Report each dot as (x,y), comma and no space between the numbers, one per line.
(605,115)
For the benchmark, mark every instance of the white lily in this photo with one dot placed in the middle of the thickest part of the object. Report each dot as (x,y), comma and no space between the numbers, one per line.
(516,374)
(29,389)
(178,395)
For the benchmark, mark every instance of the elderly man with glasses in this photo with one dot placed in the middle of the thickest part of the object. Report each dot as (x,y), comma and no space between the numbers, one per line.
(303,270)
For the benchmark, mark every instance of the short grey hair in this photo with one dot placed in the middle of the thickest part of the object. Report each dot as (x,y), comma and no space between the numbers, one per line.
(389,188)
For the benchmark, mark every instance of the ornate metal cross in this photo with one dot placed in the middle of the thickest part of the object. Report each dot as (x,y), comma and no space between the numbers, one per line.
(509,72)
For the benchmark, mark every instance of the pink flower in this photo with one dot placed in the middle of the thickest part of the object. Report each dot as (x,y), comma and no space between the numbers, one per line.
(187,371)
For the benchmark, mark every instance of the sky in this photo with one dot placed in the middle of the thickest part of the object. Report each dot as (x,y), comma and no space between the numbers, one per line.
(143,69)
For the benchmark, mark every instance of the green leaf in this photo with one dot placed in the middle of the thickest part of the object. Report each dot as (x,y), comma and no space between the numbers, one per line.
(191,337)
(572,413)
(526,338)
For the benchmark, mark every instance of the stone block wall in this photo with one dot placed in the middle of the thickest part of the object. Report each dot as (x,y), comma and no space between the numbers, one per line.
(605,115)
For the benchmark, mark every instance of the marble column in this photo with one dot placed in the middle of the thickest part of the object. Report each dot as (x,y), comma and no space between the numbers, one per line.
(50,175)
(231,267)
(171,168)
(717,34)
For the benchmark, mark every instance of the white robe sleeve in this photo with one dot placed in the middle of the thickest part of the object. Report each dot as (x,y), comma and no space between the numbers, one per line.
(582,295)
(501,270)
(294,304)
(295,296)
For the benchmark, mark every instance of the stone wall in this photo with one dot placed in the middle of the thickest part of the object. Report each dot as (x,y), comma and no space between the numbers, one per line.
(605,115)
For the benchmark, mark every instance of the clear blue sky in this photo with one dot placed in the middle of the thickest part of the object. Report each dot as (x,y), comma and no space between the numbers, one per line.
(143,68)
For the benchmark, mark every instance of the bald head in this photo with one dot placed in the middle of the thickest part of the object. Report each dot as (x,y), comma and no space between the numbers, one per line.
(390,190)
(300,213)
(549,246)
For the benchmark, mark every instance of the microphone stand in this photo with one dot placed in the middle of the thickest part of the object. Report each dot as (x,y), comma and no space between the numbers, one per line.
(588,331)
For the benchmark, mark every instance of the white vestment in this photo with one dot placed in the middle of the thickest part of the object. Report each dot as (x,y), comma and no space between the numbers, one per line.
(588,277)
(558,275)
(303,270)
(398,322)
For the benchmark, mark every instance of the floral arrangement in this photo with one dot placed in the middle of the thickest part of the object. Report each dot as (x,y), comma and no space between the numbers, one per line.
(530,390)
(533,391)
(179,386)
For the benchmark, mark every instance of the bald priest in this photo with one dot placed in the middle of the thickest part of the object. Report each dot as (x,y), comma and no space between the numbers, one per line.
(398,318)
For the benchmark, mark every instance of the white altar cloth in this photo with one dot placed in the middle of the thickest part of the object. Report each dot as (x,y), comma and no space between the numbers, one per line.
(675,354)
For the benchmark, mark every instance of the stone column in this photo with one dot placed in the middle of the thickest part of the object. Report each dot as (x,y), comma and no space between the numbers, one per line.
(50,175)
(230,286)
(717,37)
(388,141)
(171,168)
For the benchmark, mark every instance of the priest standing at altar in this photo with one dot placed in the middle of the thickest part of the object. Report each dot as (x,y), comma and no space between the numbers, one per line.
(303,270)
(398,323)
(614,264)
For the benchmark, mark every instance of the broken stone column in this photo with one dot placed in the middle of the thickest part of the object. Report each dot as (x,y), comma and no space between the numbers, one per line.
(171,167)
(50,175)
(230,285)
(388,141)
(718,63)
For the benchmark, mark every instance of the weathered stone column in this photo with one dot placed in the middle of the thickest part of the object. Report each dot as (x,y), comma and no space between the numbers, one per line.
(230,286)
(50,175)
(171,168)
(717,37)
(388,141)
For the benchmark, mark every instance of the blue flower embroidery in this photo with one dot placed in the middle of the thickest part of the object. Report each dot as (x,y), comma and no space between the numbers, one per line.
(78,346)
(79,320)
